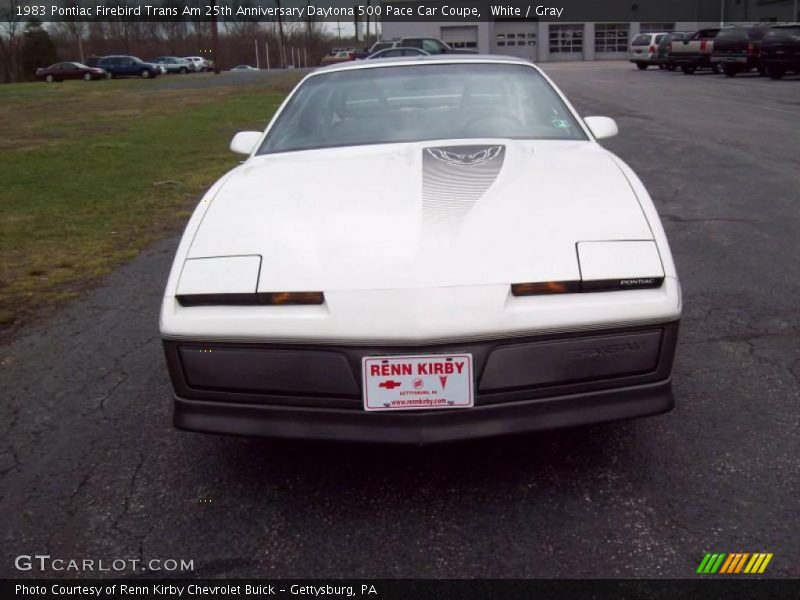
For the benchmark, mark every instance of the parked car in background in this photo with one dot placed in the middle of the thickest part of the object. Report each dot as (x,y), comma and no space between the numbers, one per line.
(340,56)
(395,52)
(694,52)
(243,69)
(664,48)
(174,64)
(643,51)
(431,45)
(780,50)
(129,66)
(378,46)
(70,70)
(737,49)
(199,63)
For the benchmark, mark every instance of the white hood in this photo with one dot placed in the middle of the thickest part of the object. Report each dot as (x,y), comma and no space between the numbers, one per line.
(398,216)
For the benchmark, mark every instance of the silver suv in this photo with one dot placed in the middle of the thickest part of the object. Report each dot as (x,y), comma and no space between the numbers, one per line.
(644,49)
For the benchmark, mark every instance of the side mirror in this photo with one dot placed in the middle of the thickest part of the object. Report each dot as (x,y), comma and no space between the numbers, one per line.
(602,127)
(245,142)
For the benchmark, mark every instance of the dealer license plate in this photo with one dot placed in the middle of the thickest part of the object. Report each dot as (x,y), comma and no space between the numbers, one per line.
(434,381)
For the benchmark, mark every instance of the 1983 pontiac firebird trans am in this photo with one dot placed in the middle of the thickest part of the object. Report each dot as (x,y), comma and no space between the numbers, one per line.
(420,250)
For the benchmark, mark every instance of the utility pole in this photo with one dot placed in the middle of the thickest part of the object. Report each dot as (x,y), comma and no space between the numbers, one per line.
(80,40)
(280,35)
(366,37)
(355,20)
(214,36)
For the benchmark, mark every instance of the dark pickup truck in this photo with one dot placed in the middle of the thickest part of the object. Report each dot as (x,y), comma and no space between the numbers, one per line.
(780,50)
(737,49)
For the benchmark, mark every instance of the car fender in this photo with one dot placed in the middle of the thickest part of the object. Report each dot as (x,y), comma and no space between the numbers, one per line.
(189,233)
(652,216)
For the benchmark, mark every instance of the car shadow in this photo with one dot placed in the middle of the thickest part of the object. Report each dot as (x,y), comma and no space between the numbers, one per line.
(360,467)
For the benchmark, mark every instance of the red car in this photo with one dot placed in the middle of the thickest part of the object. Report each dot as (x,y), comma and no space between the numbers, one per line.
(70,70)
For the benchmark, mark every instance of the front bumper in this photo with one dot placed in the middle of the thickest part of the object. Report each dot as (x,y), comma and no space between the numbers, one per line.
(528,384)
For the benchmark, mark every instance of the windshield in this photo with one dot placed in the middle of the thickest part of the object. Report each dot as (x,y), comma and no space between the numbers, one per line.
(734,33)
(783,34)
(421,102)
(642,39)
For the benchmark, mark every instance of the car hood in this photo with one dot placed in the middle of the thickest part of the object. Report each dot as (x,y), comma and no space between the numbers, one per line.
(417,215)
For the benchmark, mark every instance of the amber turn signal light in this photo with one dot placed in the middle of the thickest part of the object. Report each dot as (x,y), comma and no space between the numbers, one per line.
(288,298)
(545,287)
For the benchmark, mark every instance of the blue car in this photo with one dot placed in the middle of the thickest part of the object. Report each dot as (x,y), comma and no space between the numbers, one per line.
(129,66)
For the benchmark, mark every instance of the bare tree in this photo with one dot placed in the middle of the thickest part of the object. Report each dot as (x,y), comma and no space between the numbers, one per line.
(174,34)
(281,36)
(75,31)
(10,42)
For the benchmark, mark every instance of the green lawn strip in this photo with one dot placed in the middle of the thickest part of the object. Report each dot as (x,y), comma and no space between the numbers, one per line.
(71,211)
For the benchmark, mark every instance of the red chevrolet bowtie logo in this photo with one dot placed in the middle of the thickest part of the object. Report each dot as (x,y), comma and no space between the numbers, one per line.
(389,384)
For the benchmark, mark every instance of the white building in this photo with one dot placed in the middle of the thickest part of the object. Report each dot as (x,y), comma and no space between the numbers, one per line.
(537,41)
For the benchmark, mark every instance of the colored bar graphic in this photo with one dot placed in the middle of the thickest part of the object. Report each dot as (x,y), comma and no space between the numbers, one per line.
(758,563)
(711,563)
(718,564)
(728,564)
(703,563)
(742,560)
(765,563)
(752,562)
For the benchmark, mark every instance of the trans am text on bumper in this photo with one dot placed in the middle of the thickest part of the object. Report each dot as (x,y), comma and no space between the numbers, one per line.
(422,250)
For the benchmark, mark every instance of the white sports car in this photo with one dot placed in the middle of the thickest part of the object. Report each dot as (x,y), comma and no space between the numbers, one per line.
(419,250)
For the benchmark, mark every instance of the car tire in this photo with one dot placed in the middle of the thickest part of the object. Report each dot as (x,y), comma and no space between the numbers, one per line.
(670,67)
(49,78)
(715,69)
(661,67)
(730,71)
(184,70)
(641,66)
(87,77)
(688,69)
(775,72)
(145,74)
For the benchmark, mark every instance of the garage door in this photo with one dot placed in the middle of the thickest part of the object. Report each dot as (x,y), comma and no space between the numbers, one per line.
(460,37)
(516,38)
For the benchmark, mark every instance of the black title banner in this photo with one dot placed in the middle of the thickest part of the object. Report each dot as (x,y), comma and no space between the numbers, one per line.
(351,10)
(734,588)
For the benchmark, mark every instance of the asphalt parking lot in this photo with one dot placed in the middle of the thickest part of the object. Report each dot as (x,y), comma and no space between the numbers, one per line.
(92,468)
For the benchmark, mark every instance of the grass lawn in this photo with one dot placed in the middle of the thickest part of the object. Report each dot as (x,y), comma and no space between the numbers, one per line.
(93,172)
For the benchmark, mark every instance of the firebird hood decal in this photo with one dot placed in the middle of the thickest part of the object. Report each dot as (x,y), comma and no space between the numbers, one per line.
(454,178)
(451,156)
